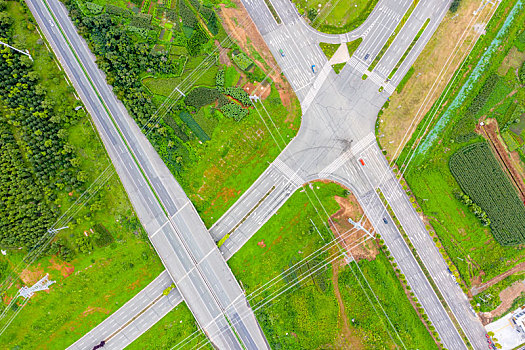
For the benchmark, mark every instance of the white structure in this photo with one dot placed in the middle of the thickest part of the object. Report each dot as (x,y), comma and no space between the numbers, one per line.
(509,330)
(26,52)
(43,284)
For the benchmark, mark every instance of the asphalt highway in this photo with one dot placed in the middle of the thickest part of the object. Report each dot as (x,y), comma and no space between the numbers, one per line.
(173,225)
(337,130)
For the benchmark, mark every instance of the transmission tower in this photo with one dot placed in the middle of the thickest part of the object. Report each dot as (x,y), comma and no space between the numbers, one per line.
(43,284)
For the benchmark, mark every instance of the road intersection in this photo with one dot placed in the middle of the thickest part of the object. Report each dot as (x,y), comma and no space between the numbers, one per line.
(337,130)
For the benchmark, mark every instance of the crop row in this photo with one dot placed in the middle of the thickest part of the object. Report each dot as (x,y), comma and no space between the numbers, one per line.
(480,176)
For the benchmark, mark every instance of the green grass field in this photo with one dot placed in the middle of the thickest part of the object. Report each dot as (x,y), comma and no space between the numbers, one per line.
(178,328)
(307,315)
(333,16)
(329,49)
(233,159)
(470,245)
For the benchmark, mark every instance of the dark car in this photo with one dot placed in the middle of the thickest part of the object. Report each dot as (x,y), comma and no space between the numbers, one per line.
(366,56)
(101,345)
(385,220)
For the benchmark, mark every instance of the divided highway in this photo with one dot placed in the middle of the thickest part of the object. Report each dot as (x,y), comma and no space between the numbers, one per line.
(190,255)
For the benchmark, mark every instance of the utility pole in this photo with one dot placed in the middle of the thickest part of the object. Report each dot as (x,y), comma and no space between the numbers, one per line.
(43,284)
(26,52)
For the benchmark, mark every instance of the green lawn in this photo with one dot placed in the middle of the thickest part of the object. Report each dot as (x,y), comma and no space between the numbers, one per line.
(306,316)
(101,283)
(470,245)
(332,16)
(177,328)
(329,49)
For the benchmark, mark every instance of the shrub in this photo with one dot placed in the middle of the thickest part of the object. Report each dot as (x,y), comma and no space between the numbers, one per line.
(479,101)
(172,16)
(242,61)
(177,129)
(187,15)
(219,78)
(234,111)
(102,237)
(117,11)
(201,96)
(454,5)
(94,8)
(239,94)
(522,73)
(141,20)
(197,39)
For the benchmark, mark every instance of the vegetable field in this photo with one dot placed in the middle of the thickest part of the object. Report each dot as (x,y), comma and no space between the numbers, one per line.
(482,179)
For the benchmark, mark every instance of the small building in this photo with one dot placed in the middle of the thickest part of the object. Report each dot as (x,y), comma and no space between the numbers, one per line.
(510,329)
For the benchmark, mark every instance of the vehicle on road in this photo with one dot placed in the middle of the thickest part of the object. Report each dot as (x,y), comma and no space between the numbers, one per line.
(314,69)
(366,56)
(100,345)
(362,162)
(385,220)
(281,52)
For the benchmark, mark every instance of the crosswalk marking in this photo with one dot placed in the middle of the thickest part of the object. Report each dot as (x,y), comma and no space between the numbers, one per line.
(288,172)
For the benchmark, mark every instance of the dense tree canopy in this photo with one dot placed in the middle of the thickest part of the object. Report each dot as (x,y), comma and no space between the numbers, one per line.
(36,159)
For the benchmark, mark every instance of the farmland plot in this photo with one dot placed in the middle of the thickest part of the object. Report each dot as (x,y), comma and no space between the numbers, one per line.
(482,179)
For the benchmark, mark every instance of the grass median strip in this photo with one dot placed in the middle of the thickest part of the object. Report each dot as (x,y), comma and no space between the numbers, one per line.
(272,10)
(409,48)
(393,36)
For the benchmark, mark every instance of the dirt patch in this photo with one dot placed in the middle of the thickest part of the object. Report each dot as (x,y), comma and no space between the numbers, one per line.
(65,268)
(483,286)
(350,237)
(433,66)
(507,297)
(263,90)
(490,132)
(33,275)
(246,34)
(91,310)
(223,54)
(348,339)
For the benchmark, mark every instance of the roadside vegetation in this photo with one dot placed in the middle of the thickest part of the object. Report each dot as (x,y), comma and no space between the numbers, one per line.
(487,89)
(213,138)
(50,154)
(335,17)
(298,286)
(178,328)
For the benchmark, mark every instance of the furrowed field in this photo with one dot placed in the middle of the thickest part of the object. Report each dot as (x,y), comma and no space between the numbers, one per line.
(480,176)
